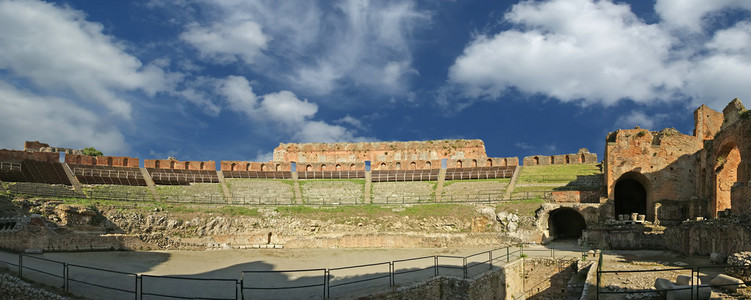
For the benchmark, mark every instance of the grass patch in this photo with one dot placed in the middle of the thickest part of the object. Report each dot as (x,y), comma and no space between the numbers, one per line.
(501,180)
(374,212)
(520,207)
(239,211)
(438,209)
(556,173)
(306,181)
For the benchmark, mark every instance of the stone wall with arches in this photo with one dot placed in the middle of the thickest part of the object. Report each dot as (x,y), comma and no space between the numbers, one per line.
(110,161)
(173,164)
(236,165)
(581,157)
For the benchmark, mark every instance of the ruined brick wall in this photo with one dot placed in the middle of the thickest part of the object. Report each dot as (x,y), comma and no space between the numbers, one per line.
(575,197)
(17,156)
(112,161)
(664,161)
(707,122)
(34,146)
(179,165)
(725,173)
(582,157)
(275,166)
(380,151)
(406,165)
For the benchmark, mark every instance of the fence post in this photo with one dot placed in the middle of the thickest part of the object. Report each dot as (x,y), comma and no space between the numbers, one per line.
(507,254)
(239,289)
(490,259)
(391,272)
(20,265)
(464,260)
(65,277)
(435,259)
(326,283)
(139,287)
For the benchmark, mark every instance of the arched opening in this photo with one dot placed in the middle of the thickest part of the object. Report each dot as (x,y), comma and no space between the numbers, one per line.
(552,160)
(568,160)
(277,167)
(474,163)
(458,163)
(247,167)
(337,167)
(505,162)
(187,165)
(428,165)
(383,166)
(125,162)
(351,166)
(583,158)
(323,167)
(232,167)
(398,166)
(566,223)
(630,194)
(172,164)
(201,166)
(263,167)
(156,164)
(109,161)
(78,160)
(93,160)
(536,160)
(413,165)
(308,168)
(726,175)
(490,162)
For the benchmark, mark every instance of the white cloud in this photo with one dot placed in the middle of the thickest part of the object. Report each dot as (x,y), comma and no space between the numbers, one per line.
(639,118)
(56,49)
(600,52)
(283,110)
(365,44)
(570,49)
(689,14)
(225,42)
(57,121)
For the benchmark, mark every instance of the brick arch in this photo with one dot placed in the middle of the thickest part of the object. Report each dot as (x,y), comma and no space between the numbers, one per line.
(474,163)
(337,167)
(78,160)
(413,165)
(458,163)
(398,165)
(187,165)
(428,165)
(125,162)
(201,166)
(109,161)
(247,167)
(277,167)
(233,167)
(172,164)
(157,164)
(263,167)
(631,194)
(308,168)
(383,166)
(536,160)
(490,162)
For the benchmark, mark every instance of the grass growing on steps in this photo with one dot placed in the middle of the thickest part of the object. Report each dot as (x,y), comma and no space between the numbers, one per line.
(520,207)
(556,173)
(377,211)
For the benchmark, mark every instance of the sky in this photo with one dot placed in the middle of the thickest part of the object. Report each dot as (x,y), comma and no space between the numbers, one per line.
(231,79)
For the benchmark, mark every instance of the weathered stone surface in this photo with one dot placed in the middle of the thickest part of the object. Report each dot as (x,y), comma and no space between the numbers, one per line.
(582,157)
(727,282)
(380,151)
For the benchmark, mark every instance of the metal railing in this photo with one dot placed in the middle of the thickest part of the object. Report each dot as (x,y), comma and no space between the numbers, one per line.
(103,283)
(693,271)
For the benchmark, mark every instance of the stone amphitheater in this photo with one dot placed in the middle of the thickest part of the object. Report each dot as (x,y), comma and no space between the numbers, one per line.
(685,198)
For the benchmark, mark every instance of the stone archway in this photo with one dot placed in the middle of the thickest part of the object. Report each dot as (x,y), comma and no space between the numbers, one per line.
(725,176)
(630,194)
(566,223)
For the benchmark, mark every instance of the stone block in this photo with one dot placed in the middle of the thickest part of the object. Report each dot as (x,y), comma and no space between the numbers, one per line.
(716,258)
(728,283)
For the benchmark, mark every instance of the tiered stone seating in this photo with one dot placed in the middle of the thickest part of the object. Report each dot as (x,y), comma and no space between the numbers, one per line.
(332,191)
(331,174)
(479,173)
(182,177)
(33,171)
(473,190)
(40,189)
(258,174)
(261,191)
(404,175)
(406,192)
(193,193)
(118,192)
(87,174)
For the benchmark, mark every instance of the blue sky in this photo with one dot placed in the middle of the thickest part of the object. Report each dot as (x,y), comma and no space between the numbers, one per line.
(231,79)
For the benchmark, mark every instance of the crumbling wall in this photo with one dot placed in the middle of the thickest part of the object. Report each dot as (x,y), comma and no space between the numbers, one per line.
(666,161)
(581,157)
(16,156)
(276,166)
(380,151)
(707,122)
(725,170)
(112,161)
(36,146)
(179,165)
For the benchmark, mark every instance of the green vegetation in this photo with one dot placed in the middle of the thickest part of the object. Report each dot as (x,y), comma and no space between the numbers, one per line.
(520,207)
(91,151)
(501,180)
(556,173)
(302,182)
(373,212)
